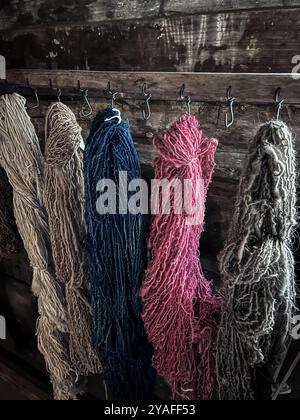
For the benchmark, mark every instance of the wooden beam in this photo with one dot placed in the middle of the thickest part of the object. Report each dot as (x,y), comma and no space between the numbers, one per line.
(258,41)
(172,7)
(31,12)
(35,12)
(248,88)
(23,380)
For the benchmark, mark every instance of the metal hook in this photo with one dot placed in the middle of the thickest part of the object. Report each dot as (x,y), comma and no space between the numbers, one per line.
(86,110)
(147,96)
(35,91)
(113,95)
(279,102)
(186,98)
(230,101)
(58,90)
(114,99)
(59,94)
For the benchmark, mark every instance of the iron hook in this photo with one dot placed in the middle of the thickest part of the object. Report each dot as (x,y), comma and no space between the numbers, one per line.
(113,95)
(86,110)
(58,90)
(279,102)
(230,102)
(59,94)
(147,96)
(186,98)
(35,91)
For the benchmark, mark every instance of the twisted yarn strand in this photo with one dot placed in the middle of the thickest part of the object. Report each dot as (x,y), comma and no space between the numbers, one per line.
(179,310)
(21,157)
(63,198)
(257,265)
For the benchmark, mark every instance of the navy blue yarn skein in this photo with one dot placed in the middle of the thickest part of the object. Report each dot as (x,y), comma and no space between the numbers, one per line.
(116,246)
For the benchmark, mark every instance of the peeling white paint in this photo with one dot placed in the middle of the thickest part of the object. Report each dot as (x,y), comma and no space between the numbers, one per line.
(221,28)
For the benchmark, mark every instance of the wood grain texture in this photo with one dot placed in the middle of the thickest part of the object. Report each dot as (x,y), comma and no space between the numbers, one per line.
(164,86)
(25,383)
(14,13)
(209,6)
(23,13)
(17,303)
(263,41)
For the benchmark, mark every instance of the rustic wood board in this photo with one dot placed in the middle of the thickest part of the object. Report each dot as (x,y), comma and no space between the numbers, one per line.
(33,12)
(17,302)
(23,383)
(209,6)
(256,41)
(30,12)
(246,87)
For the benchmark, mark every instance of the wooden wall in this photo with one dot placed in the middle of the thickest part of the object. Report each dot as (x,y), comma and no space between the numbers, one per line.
(260,40)
(156,35)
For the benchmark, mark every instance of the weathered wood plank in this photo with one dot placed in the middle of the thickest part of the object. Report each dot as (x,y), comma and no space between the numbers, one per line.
(30,12)
(166,86)
(18,267)
(177,7)
(17,302)
(20,13)
(24,382)
(263,41)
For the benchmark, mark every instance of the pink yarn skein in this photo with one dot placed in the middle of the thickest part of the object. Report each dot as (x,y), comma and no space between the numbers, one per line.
(179,310)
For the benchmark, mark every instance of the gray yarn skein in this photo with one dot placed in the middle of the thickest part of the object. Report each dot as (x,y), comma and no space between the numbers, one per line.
(257,265)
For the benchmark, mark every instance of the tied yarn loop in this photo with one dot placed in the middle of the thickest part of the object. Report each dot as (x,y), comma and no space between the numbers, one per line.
(179,310)
(117,253)
(257,266)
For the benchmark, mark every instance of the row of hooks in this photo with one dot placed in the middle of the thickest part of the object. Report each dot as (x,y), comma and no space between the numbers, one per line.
(87,109)
(229,121)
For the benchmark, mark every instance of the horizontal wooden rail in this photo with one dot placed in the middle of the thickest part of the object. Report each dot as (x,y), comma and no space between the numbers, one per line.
(248,88)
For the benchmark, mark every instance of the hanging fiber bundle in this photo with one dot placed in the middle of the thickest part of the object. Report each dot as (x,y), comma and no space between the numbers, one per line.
(179,310)
(63,198)
(10,241)
(117,251)
(21,157)
(257,265)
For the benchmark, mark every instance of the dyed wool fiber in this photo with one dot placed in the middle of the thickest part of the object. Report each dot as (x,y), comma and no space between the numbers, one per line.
(257,265)
(21,158)
(63,198)
(179,310)
(10,241)
(116,245)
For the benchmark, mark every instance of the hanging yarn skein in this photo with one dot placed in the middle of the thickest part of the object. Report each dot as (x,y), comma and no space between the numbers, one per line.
(116,245)
(257,265)
(10,241)
(63,198)
(21,157)
(179,310)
